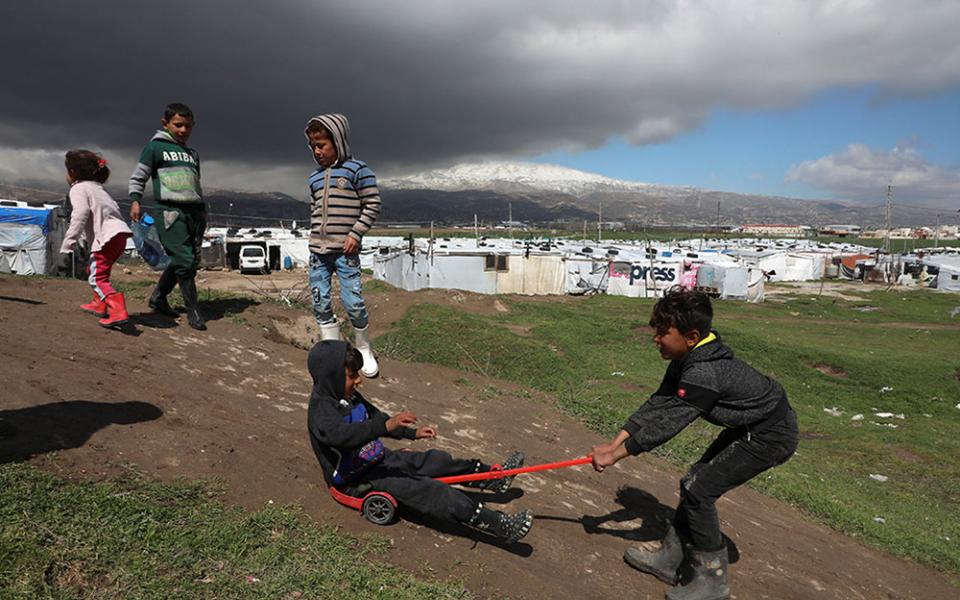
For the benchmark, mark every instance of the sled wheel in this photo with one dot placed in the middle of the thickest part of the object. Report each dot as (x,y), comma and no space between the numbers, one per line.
(378,509)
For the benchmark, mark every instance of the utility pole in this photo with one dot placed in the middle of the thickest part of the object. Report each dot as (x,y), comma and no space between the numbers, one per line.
(476,231)
(886,237)
(599,223)
(718,218)
(936,233)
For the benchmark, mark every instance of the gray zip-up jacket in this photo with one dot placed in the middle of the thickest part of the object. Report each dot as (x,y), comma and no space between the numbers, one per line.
(711,383)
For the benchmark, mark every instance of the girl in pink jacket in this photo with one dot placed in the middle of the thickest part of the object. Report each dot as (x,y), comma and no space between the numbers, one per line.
(96,216)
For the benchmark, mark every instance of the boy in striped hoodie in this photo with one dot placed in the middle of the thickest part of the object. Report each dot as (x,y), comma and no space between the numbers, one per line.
(344,203)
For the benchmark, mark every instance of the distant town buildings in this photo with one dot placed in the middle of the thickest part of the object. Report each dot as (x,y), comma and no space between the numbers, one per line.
(841,230)
(767,230)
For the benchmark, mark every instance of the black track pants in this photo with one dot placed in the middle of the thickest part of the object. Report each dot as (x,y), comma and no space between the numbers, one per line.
(408,477)
(734,458)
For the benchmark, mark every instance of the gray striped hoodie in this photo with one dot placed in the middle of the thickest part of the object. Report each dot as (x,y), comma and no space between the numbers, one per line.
(344,198)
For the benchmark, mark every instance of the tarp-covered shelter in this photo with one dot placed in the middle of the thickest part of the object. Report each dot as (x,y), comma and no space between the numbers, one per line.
(496,271)
(948,279)
(30,238)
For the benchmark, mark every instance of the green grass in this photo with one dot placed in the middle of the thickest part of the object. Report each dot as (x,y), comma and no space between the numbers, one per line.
(125,287)
(595,357)
(133,538)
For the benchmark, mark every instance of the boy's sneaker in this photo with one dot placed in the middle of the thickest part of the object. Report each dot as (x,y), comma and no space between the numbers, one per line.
(514,461)
(508,527)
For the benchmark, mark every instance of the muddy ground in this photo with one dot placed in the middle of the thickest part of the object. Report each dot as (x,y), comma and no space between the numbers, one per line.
(230,403)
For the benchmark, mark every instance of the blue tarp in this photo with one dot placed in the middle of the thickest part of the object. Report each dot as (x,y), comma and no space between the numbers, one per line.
(28,216)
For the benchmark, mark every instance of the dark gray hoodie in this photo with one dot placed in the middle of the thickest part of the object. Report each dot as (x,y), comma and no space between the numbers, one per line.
(708,382)
(330,435)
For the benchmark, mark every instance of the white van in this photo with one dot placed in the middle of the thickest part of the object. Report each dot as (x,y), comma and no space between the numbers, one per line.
(253,259)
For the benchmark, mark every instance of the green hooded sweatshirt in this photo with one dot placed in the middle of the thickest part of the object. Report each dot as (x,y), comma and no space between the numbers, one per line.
(175,170)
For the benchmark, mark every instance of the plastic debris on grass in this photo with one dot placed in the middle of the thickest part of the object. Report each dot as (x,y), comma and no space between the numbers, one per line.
(889,415)
(617,374)
(880,520)
(857,417)
(833,411)
(886,389)
(878,477)
(890,425)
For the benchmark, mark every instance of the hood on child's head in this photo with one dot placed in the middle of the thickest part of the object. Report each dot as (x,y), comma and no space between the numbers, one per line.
(326,365)
(339,128)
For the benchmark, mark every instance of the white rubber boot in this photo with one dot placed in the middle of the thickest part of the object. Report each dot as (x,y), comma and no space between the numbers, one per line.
(330,331)
(361,342)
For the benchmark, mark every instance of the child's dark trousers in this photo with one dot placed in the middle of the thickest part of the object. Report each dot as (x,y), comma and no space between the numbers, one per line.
(408,477)
(735,457)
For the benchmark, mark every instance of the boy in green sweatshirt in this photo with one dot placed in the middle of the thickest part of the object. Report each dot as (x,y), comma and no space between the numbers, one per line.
(175,169)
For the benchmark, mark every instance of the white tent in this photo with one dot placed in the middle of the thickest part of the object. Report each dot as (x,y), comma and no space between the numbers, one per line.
(30,238)
(645,279)
(418,271)
(586,275)
(496,271)
(948,279)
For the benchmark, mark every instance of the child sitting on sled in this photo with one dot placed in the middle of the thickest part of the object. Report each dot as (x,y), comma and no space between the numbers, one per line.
(345,431)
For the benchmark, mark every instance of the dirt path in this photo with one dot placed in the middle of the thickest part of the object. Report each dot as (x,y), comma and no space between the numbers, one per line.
(230,403)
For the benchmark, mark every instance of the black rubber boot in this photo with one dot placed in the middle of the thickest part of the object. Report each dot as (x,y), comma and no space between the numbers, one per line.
(158,299)
(514,461)
(188,289)
(510,528)
(662,562)
(709,580)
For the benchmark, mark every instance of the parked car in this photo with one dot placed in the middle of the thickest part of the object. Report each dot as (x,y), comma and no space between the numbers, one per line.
(253,259)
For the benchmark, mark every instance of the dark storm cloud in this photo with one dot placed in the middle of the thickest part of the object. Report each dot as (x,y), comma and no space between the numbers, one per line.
(426,83)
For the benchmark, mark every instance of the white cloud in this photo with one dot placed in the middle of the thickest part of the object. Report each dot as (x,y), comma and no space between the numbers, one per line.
(228,175)
(859,172)
(17,164)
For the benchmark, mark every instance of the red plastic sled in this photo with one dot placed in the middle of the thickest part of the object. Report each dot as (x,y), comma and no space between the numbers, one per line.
(380,508)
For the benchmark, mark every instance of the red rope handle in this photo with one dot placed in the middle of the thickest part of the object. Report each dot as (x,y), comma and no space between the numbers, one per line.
(501,473)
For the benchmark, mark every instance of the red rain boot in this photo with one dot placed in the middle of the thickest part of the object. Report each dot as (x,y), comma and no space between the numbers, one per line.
(117,310)
(95,307)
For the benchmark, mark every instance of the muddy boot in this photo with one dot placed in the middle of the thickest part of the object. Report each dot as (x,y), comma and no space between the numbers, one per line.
(95,307)
(158,299)
(661,560)
(330,331)
(509,528)
(188,289)
(514,461)
(361,340)
(116,311)
(709,578)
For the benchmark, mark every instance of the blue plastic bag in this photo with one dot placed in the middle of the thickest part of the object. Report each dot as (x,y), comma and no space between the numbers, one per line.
(147,242)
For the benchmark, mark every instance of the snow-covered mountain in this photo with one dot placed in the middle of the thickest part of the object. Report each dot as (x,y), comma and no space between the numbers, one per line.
(506,177)
(543,193)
